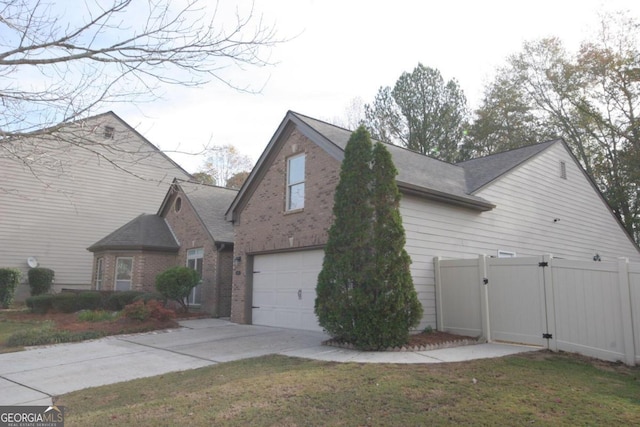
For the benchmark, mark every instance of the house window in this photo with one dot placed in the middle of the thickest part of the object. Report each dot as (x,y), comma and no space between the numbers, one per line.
(194,261)
(563,170)
(178,204)
(506,254)
(108,132)
(124,270)
(99,273)
(295,182)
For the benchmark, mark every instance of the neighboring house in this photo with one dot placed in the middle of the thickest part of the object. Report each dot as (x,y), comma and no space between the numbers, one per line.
(530,201)
(189,229)
(56,198)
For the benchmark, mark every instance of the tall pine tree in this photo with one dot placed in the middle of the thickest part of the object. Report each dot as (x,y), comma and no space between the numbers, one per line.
(365,290)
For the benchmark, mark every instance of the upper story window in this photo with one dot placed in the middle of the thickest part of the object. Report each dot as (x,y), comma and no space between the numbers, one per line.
(295,182)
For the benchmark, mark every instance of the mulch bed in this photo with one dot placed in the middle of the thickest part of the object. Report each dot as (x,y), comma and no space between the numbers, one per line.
(421,342)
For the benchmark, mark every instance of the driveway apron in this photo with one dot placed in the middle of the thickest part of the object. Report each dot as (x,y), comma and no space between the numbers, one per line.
(35,376)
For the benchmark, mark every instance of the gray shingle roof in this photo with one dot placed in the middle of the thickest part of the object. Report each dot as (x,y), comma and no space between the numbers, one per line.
(415,171)
(211,203)
(461,179)
(149,232)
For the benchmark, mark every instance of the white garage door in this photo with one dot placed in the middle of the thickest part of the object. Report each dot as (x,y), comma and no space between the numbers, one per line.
(284,289)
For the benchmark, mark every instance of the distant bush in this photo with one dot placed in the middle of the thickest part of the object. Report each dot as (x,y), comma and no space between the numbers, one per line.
(40,303)
(9,280)
(40,280)
(176,283)
(119,300)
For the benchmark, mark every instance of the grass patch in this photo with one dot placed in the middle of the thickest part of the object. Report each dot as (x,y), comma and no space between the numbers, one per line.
(48,334)
(538,388)
(10,327)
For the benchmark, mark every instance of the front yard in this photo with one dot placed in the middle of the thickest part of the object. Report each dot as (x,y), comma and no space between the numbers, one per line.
(531,389)
(19,328)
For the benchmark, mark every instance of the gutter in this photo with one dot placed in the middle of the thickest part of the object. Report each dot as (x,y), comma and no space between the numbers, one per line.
(474,203)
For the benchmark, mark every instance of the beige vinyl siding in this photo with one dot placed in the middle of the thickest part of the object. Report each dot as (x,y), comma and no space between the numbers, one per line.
(527,201)
(55,213)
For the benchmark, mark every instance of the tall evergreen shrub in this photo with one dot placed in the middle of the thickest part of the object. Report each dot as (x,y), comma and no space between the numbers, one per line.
(347,259)
(365,293)
(393,304)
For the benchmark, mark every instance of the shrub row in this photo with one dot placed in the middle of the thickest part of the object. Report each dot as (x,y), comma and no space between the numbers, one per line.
(70,302)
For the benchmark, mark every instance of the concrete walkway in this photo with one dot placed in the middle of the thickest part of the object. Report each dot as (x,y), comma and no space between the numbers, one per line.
(33,376)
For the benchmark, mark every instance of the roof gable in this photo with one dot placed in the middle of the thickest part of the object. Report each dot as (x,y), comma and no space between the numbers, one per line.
(209,203)
(145,232)
(484,170)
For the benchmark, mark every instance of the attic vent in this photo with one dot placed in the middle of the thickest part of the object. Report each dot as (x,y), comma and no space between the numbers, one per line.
(563,170)
(108,132)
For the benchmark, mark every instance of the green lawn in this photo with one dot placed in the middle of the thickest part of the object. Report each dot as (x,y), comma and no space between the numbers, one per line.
(10,326)
(531,389)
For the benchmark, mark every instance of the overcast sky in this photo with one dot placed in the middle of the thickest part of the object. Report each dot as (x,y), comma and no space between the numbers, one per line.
(344,49)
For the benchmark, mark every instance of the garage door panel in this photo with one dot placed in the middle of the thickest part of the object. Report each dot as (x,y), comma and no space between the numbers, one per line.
(284,289)
(266,298)
(287,299)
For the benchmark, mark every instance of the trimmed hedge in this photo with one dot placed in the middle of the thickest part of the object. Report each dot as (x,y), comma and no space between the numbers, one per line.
(9,280)
(40,280)
(40,303)
(119,300)
(66,302)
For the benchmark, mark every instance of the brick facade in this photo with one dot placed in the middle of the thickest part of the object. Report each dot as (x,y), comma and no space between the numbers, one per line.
(264,225)
(190,234)
(146,266)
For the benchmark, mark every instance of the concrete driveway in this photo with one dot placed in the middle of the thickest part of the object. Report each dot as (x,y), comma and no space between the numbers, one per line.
(34,376)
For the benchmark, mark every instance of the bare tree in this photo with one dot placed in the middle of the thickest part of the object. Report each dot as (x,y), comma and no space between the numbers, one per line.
(63,62)
(353,115)
(225,164)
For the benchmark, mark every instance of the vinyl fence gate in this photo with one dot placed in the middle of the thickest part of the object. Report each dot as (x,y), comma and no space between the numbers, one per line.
(591,308)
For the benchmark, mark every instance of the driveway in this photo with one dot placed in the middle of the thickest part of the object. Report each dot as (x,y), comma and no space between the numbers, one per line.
(34,376)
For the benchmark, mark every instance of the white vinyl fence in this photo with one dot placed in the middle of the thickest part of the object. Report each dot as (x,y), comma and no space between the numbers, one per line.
(591,308)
